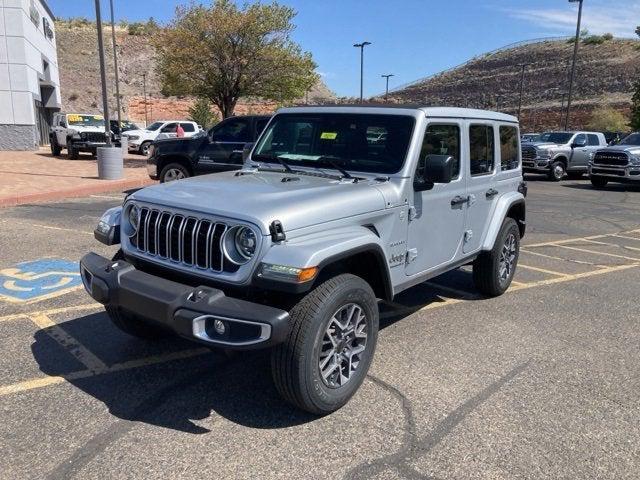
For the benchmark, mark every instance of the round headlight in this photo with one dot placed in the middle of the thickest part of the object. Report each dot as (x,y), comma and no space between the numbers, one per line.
(240,244)
(133,215)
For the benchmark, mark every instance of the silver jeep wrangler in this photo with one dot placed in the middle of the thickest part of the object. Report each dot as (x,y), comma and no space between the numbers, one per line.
(336,208)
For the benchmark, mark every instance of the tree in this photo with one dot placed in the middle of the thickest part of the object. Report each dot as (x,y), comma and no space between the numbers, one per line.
(635,108)
(607,119)
(223,52)
(638,30)
(200,112)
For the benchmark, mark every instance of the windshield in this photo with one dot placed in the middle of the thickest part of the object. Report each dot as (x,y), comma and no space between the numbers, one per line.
(556,137)
(633,139)
(357,142)
(85,120)
(155,126)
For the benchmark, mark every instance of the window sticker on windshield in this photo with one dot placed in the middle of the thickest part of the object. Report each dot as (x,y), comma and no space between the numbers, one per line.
(75,118)
(328,135)
(98,117)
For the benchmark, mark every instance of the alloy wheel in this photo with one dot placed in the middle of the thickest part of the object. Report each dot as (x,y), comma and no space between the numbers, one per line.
(508,256)
(173,174)
(343,344)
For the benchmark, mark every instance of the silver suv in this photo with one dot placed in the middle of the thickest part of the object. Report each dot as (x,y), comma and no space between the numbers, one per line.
(560,153)
(294,251)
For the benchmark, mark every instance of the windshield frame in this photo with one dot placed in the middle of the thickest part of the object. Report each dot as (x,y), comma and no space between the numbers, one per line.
(636,136)
(315,160)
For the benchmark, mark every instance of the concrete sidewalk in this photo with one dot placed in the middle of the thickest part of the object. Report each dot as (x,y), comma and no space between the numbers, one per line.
(33,177)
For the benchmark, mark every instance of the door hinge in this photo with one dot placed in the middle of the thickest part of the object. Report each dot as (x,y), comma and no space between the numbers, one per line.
(412,213)
(412,254)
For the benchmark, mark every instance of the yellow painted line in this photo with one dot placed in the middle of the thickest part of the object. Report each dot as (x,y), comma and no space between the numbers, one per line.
(513,282)
(69,343)
(541,270)
(156,359)
(624,247)
(625,237)
(594,252)
(553,257)
(52,311)
(30,385)
(455,291)
(48,296)
(559,242)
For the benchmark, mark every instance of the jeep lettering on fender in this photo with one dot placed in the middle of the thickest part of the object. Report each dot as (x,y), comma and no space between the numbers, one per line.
(336,208)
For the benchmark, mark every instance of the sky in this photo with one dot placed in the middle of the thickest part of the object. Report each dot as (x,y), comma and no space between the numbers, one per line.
(410,38)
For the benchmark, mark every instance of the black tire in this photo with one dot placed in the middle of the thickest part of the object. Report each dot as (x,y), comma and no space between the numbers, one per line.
(575,175)
(557,171)
(72,152)
(173,171)
(487,267)
(295,363)
(144,148)
(55,148)
(599,182)
(132,324)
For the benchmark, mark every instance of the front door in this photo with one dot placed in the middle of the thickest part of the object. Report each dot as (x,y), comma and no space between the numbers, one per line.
(481,184)
(579,155)
(436,223)
(223,150)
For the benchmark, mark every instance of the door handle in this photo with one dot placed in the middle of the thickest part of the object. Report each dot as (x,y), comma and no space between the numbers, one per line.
(492,192)
(458,200)
(236,151)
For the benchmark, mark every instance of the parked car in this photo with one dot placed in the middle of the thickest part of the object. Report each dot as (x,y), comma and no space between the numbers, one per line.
(218,150)
(619,163)
(530,137)
(140,140)
(558,153)
(294,251)
(77,132)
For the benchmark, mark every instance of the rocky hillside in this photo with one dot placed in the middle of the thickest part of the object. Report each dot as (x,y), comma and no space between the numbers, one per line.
(604,76)
(80,76)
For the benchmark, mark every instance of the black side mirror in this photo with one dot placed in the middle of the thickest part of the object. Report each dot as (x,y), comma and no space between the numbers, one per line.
(246,150)
(433,169)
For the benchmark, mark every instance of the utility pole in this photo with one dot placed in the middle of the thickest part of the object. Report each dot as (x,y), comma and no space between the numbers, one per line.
(564,95)
(386,92)
(115,66)
(103,76)
(523,65)
(498,102)
(361,47)
(573,65)
(144,93)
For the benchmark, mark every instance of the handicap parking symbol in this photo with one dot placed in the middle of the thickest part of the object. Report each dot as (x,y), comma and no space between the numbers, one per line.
(38,280)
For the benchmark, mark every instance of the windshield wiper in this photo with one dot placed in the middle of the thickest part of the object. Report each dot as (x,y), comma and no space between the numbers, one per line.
(278,159)
(331,162)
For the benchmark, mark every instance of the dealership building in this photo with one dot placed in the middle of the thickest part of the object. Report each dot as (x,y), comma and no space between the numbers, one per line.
(29,80)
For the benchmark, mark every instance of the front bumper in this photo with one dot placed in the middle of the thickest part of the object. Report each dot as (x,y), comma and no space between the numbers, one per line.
(189,312)
(536,165)
(88,146)
(614,173)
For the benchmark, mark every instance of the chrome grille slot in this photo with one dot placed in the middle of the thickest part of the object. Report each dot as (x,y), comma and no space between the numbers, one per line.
(178,238)
(528,153)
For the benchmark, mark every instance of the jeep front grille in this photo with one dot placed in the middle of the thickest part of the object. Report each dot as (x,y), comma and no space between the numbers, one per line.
(97,137)
(180,238)
(528,153)
(611,158)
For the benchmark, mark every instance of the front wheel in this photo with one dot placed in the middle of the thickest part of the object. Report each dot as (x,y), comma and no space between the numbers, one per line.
(55,148)
(493,271)
(327,354)
(599,182)
(144,148)
(557,171)
(172,172)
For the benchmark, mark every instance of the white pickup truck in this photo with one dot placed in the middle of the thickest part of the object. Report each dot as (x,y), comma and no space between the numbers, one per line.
(141,140)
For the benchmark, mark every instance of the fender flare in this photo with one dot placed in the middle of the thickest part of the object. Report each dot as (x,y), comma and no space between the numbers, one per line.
(503,207)
(170,157)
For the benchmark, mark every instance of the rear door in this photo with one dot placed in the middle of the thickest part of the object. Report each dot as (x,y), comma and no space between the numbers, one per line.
(436,223)
(189,128)
(223,149)
(481,183)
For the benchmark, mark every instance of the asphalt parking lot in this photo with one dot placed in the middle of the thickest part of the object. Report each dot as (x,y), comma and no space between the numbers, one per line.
(542,382)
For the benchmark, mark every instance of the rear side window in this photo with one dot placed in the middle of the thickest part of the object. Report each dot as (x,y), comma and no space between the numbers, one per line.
(593,139)
(188,127)
(443,140)
(509,148)
(481,149)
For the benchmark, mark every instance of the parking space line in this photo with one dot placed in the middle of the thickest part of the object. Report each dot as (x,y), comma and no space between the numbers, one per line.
(541,270)
(52,311)
(69,343)
(49,227)
(625,237)
(594,252)
(553,257)
(624,247)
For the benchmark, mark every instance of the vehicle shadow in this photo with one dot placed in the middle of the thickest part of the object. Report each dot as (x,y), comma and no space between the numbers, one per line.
(614,187)
(177,384)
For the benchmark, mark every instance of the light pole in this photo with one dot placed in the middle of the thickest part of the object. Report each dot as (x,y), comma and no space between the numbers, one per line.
(573,65)
(144,94)
(115,66)
(361,47)
(386,92)
(103,76)
(498,102)
(564,95)
(523,65)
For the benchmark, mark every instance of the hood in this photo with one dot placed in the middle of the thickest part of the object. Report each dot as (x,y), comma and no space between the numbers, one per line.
(544,144)
(632,149)
(260,198)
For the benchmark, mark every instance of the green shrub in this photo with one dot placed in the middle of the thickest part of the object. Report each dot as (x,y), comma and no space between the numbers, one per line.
(593,40)
(607,36)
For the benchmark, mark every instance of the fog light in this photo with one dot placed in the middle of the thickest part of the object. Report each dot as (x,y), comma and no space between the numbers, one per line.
(218,326)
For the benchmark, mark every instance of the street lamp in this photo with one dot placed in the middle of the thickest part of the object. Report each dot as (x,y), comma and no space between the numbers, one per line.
(361,47)
(144,94)
(386,92)
(573,66)
(564,95)
(115,66)
(523,65)
(103,76)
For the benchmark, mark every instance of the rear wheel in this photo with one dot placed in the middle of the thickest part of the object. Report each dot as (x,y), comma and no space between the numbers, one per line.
(330,347)
(493,271)
(55,148)
(599,182)
(173,171)
(557,171)
(144,148)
